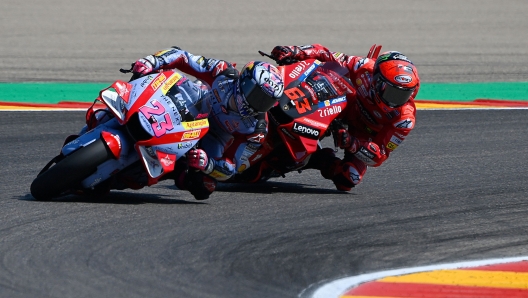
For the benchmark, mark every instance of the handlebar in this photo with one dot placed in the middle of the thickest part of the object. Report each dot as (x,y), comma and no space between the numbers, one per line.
(287,61)
(134,75)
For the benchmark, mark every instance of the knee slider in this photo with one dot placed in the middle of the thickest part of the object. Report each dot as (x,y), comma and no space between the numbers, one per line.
(347,175)
(223,170)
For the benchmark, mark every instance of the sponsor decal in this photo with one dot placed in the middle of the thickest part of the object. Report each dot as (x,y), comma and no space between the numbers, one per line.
(209,62)
(359,82)
(365,156)
(407,123)
(354,176)
(248,151)
(366,152)
(173,79)
(399,135)
(408,69)
(315,123)
(185,145)
(338,100)
(306,131)
(363,91)
(166,160)
(360,63)
(276,88)
(401,57)
(191,135)
(256,138)
(221,66)
(146,80)
(337,55)
(391,146)
(396,140)
(197,124)
(311,91)
(158,81)
(329,111)
(310,70)
(377,114)
(403,79)
(123,90)
(298,69)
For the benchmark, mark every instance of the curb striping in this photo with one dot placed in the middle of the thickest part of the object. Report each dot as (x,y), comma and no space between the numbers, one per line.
(507,277)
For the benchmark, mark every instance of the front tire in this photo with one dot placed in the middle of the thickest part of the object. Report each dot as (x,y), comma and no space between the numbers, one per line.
(68,173)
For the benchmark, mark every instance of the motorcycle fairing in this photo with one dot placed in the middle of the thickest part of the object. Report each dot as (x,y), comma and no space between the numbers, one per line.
(171,137)
(125,99)
(311,101)
(105,170)
(159,158)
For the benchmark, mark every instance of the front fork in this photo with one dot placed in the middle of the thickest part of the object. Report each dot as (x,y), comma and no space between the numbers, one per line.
(117,141)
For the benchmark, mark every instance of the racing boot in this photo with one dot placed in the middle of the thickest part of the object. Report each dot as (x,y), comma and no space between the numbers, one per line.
(197,183)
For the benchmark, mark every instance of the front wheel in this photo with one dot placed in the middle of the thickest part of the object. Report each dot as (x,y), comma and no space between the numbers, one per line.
(68,173)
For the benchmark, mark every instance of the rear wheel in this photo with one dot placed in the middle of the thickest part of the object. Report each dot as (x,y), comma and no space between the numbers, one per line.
(68,173)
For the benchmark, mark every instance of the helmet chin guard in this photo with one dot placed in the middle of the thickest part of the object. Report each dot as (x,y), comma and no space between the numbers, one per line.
(260,86)
(395,79)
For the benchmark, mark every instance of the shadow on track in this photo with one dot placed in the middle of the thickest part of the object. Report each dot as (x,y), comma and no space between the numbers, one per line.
(271,187)
(117,198)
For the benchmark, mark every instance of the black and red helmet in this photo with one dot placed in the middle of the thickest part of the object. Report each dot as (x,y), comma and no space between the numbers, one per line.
(395,79)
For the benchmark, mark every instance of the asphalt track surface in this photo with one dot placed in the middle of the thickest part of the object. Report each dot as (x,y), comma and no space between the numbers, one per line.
(454,190)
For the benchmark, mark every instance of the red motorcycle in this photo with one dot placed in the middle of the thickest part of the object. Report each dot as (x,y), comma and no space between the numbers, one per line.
(315,94)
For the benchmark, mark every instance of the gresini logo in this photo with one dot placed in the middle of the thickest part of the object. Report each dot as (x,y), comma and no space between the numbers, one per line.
(167,161)
(306,131)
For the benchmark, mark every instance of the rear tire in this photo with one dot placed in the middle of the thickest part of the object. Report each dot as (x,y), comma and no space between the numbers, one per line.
(68,173)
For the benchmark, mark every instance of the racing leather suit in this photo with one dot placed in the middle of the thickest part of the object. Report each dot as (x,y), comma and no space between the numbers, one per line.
(379,131)
(231,138)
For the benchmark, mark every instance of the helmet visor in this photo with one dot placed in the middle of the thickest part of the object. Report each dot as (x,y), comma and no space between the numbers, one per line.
(392,96)
(257,99)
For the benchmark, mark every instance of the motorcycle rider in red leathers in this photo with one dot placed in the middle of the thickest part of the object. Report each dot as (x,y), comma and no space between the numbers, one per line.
(380,116)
